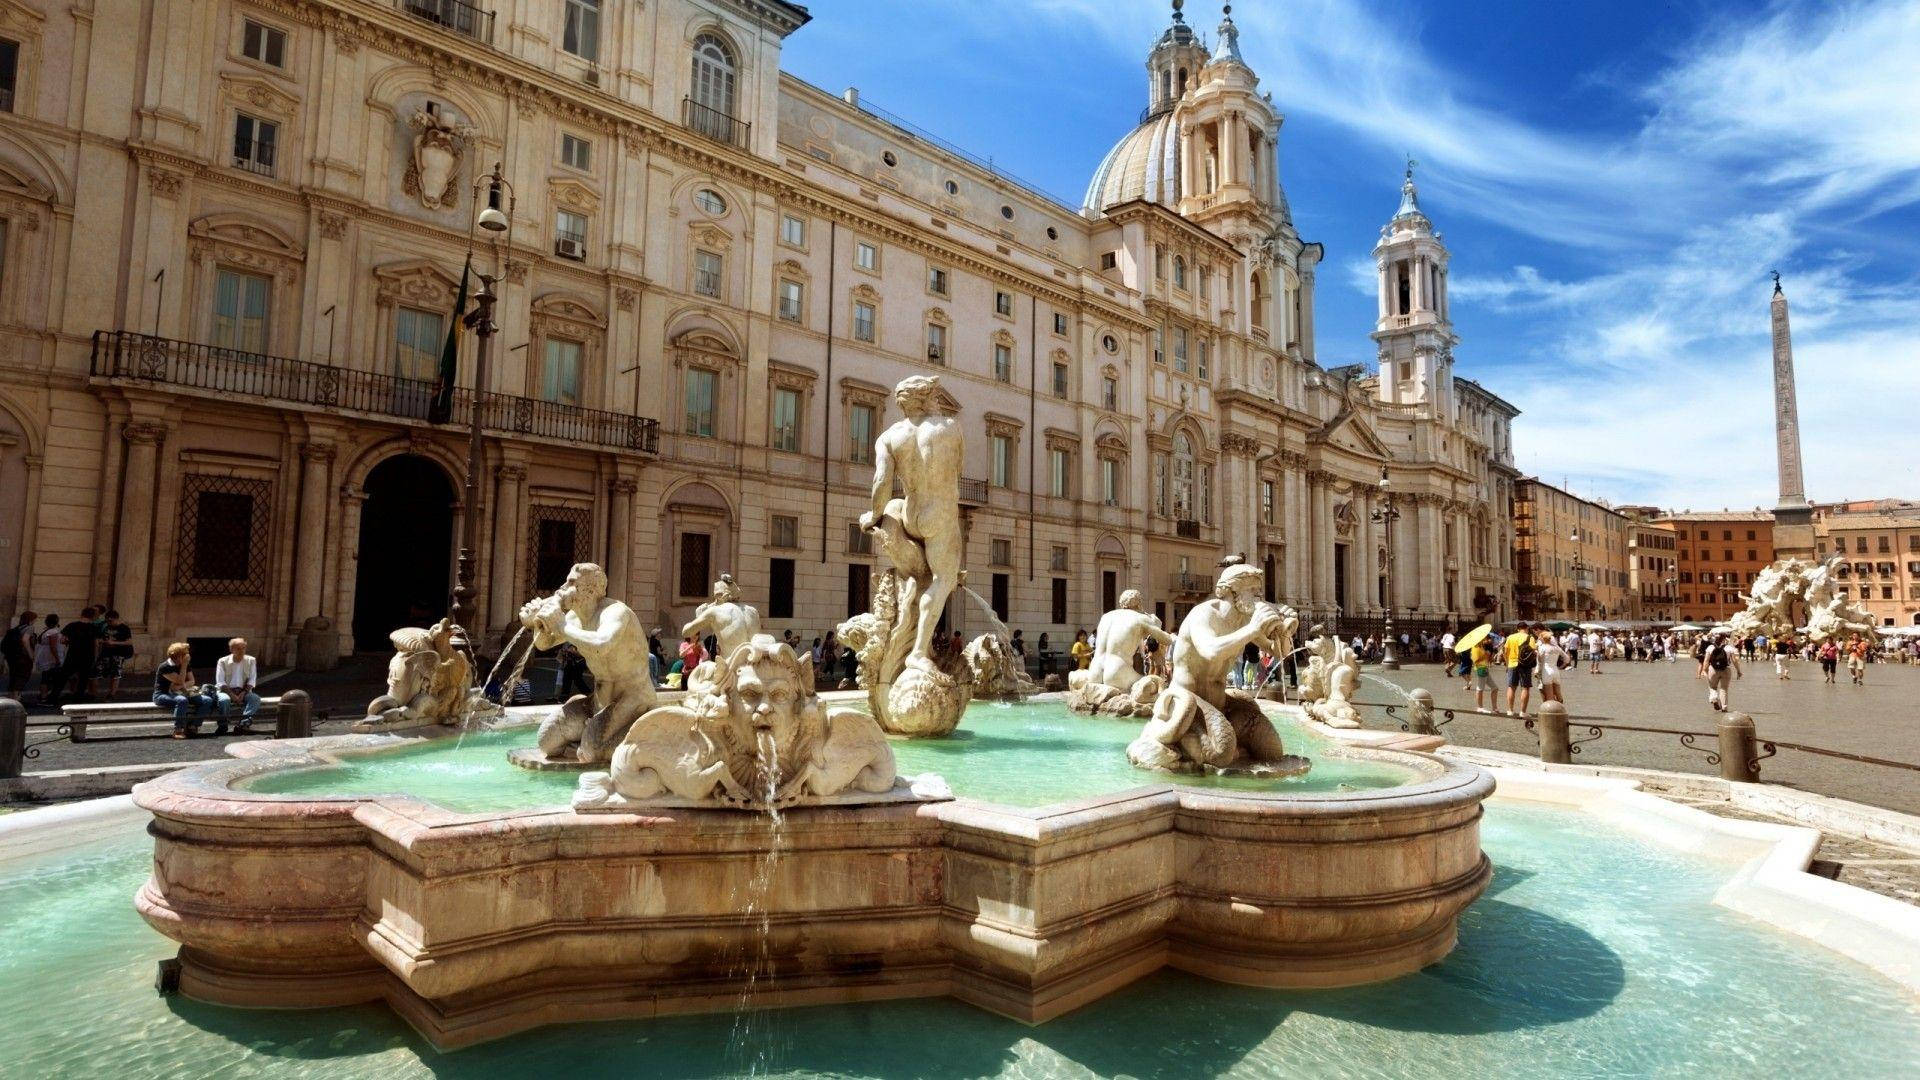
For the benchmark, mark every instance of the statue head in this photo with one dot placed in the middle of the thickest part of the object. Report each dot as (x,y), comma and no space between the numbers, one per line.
(1240,585)
(585,586)
(725,591)
(1131,600)
(769,694)
(917,395)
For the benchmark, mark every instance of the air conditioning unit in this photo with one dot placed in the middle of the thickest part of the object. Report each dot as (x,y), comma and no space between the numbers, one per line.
(569,248)
(591,77)
(934,353)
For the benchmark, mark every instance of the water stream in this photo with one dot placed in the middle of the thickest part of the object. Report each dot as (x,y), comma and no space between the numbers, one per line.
(755,1044)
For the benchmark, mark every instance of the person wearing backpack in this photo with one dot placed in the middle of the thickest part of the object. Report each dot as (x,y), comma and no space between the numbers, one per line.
(1521,655)
(1719,665)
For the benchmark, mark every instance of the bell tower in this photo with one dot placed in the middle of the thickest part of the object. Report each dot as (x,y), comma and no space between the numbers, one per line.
(1173,67)
(1415,331)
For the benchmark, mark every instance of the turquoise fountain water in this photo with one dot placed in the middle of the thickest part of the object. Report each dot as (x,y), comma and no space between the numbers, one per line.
(1594,954)
(1033,754)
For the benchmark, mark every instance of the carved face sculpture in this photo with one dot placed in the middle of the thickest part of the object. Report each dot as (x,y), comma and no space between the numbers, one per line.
(774,721)
(586,583)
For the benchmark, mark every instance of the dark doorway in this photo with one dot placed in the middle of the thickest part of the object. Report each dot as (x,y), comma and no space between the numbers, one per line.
(406,550)
(859,588)
(1001,607)
(1109,590)
(1340,578)
(780,588)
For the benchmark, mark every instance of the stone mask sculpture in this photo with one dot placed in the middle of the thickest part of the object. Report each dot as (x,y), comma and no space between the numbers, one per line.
(1110,686)
(434,161)
(611,640)
(426,681)
(1199,725)
(907,690)
(756,737)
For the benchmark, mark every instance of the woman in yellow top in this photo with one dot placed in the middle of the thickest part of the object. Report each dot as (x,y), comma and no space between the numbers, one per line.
(1483,692)
(1082,652)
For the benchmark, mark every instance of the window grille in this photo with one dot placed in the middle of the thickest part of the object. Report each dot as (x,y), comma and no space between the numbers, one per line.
(223,537)
(557,537)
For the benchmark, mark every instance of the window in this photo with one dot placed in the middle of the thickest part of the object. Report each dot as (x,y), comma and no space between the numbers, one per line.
(936,281)
(9,72)
(1266,502)
(1002,585)
(713,79)
(792,296)
(701,384)
(1059,473)
(1180,362)
(706,273)
(695,551)
(560,371)
(1159,263)
(1206,274)
(780,588)
(417,341)
(223,542)
(859,540)
(1109,482)
(1752,554)
(1860,545)
(1726,534)
(860,434)
(1160,484)
(1000,552)
(866,256)
(936,343)
(1059,601)
(784,531)
(1750,534)
(1002,461)
(1057,560)
(1159,344)
(570,234)
(1183,469)
(1060,324)
(1109,260)
(1003,363)
(1179,272)
(1884,544)
(254,140)
(862,321)
(1003,303)
(1109,393)
(709,201)
(263,43)
(786,420)
(576,152)
(793,230)
(859,588)
(1059,380)
(1206,358)
(581,35)
(240,310)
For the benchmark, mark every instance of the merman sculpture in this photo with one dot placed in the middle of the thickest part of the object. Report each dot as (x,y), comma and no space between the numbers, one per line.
(608,634)
(1199,725)
(1110,685)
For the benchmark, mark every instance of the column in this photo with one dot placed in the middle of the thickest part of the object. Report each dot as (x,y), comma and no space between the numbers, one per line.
(1189,163)
(351,500)
(1232,154)
(1431,558)
(1293,519)
(620,536)
(509,504)
(1323,531)
(310,564)
(143,439)
(1369,594)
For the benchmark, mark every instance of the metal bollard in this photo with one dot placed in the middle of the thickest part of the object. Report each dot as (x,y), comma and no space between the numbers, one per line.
(13,737)
(295,718)
(1552,725)
(1739,748)
(1420,720)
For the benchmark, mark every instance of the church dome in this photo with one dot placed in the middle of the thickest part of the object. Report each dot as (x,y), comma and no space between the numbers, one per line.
(1144,164)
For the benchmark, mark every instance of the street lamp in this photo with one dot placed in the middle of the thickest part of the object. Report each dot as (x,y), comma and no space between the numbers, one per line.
(498,226)
(1387,515)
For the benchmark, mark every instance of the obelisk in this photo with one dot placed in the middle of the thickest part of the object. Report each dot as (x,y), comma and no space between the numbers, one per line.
(1792,515)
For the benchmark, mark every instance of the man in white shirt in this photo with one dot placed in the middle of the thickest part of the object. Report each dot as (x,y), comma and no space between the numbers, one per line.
(234,677)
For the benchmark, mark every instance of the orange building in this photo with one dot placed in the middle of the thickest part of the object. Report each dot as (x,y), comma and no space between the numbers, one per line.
(1716,557)
(1882,570)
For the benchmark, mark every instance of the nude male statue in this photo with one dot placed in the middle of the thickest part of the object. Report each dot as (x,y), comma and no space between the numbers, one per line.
(614,644)
(923,452)
(731,622)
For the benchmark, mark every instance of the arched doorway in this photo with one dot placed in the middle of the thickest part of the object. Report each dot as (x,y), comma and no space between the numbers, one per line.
(406,549)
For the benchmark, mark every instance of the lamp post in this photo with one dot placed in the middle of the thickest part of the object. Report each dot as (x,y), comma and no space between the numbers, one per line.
(480,320)
(1387,515)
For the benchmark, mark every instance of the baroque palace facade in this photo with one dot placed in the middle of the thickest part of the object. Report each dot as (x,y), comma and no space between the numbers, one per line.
(232,234)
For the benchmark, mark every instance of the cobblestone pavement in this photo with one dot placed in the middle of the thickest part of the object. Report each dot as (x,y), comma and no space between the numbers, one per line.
(1881,719)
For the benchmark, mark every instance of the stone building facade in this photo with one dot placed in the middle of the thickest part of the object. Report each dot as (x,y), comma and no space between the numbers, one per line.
(1571,555)
(1882,570)
(232,234)
(1717,556)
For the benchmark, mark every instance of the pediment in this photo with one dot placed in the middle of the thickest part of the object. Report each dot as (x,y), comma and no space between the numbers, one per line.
(1348,431)
(573,195)
(259,94)
(419,282)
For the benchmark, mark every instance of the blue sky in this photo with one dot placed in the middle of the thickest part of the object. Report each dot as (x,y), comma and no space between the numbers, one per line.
(1614,179)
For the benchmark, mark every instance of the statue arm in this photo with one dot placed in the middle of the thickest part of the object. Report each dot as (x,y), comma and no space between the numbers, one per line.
(614,620)
(882,478)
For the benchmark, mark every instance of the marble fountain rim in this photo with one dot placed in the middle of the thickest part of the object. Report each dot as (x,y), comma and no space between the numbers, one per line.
(216,791)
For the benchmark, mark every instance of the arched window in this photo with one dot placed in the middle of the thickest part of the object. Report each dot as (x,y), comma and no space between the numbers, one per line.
(1182,477)
(713,80)
(1259,311)
(1179,272)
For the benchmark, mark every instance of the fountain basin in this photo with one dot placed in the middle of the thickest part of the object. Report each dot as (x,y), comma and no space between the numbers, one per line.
(476,925)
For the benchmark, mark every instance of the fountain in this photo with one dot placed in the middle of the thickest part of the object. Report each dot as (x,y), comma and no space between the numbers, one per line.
(1110,686)
(428,682)
(1330,680)
(1787,587)
(583,731)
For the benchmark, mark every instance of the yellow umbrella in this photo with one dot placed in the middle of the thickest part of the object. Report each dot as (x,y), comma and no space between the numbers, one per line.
(1473,637)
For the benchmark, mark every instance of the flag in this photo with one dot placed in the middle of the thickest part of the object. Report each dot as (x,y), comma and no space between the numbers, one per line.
(441,410)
